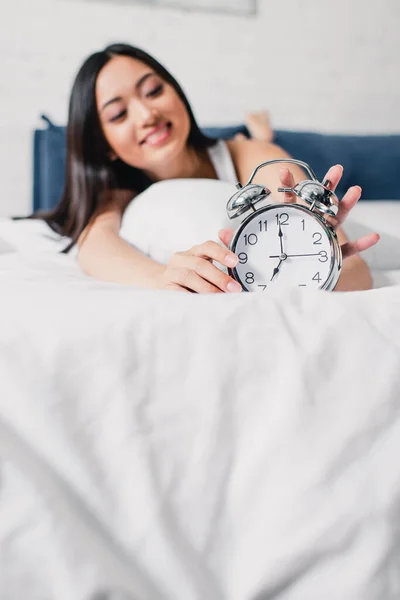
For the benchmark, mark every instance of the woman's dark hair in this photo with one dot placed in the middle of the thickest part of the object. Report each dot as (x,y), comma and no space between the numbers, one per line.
(90,173)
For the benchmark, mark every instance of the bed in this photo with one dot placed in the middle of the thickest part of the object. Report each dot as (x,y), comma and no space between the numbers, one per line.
(156,445)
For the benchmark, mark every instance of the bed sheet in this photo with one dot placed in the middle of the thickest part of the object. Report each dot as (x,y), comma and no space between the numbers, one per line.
(156,445)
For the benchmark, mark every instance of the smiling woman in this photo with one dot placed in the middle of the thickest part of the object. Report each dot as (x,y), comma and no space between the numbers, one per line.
(152,137)
(130,126)
(120,98)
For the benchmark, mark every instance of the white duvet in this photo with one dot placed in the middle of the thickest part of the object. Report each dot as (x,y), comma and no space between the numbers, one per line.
(156,445)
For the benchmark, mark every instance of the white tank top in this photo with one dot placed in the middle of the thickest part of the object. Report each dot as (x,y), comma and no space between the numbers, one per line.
(176,214)
(222,162)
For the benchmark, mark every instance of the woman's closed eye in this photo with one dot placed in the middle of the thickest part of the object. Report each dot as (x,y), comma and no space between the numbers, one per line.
(155,91)
(152,93)
(119,116)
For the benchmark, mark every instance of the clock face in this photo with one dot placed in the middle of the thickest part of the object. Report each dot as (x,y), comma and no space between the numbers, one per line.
(283,245)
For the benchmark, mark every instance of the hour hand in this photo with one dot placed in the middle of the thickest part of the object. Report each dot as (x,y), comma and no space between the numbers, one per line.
(280,237)
(276,270)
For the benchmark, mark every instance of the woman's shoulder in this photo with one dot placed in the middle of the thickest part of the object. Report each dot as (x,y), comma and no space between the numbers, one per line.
(115,201)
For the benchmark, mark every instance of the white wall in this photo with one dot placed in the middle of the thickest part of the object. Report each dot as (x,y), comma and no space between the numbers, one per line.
(315,64)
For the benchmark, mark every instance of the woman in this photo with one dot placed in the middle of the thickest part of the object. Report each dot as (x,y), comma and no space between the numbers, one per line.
(130,125)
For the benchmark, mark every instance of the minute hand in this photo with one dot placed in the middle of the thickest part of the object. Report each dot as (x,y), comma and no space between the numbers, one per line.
(292,255)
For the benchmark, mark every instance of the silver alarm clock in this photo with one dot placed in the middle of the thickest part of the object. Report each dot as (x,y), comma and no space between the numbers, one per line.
(285,245)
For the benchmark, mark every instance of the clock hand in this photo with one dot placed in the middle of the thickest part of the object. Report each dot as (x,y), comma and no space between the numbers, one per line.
(291,255)
(276,270)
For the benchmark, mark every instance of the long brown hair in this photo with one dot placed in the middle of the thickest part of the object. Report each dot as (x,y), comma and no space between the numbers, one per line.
(90,173)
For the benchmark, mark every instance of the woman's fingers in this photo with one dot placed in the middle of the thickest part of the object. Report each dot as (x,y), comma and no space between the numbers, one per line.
(210,250)
(201,276)
(287,181)
(213,251)
(348,202)
(225,235)
(188,279)
(215,276)
(363,243)
(331,180)
(174,287)
(333,176)
(195,271)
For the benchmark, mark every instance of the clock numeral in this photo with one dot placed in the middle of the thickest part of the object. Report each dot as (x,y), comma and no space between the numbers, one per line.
(263,286)
(249,277)
(242,258)
(250,239)
(317,239)
(282,218)
(304,224)
(317,277)
(263,224)
(323,256)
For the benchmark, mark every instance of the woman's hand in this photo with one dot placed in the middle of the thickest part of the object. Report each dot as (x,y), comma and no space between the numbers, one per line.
(348,202)
(193,270)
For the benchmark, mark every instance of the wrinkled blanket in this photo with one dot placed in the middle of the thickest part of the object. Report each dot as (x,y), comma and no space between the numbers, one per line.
(157,445)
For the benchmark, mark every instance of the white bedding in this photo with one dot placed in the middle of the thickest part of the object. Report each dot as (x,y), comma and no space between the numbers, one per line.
(33,237)
(156,445)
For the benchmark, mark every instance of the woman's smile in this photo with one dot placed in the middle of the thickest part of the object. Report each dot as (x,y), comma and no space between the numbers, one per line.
(158,135)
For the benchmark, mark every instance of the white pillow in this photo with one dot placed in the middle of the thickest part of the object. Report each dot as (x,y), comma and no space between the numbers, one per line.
(176,214)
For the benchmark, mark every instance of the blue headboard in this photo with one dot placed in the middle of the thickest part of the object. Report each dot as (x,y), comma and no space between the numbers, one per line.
(371,161)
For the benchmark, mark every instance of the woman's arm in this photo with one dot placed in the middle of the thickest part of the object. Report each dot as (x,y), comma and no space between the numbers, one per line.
(355,273)
(247,154)
(104,255)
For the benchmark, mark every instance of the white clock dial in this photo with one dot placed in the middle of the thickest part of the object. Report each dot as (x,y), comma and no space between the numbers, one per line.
(283,245)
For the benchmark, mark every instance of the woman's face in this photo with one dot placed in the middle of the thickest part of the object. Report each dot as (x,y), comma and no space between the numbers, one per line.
(143,119)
